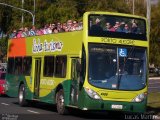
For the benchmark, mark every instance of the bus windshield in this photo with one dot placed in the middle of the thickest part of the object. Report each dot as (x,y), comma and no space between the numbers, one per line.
(113,67)
(117,27)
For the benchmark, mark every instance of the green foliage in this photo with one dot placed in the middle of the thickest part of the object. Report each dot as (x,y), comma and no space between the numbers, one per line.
(155,36)
(107,5)
(3,48)
(61,11)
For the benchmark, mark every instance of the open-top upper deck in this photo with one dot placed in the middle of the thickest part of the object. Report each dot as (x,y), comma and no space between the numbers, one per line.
(61,43)
(98,27)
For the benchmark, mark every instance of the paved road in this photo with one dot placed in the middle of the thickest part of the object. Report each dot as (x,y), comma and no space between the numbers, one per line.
(154,84)
(9,108)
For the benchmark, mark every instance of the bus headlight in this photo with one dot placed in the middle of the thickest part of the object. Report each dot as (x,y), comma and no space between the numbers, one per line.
(92,93)
(139,98)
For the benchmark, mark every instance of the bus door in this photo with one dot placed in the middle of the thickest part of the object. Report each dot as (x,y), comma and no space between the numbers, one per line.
(75,76)
(37,72)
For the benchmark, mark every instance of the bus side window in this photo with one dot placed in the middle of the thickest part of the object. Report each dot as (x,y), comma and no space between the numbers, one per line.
(61,66)
(48,66)
(10,66)
(26,67)
(18,65)
(73,73)
(76,69)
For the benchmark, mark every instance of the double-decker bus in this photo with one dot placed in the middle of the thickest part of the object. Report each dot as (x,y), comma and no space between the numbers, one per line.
(102,67)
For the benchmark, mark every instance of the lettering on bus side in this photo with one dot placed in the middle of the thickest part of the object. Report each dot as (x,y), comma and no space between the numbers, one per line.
(47,82)
(51,46)
(37,46)
(118,41)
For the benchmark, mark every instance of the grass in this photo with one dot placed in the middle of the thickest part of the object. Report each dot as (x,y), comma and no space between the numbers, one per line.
(154,103)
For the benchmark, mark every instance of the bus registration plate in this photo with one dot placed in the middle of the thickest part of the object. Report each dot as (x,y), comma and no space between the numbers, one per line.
(117,107)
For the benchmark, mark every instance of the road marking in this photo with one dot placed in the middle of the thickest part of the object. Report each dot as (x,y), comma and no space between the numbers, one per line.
(33,111)
(4,104)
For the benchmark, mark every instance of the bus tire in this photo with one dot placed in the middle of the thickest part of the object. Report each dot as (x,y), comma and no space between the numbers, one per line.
(61,109)
(21,96)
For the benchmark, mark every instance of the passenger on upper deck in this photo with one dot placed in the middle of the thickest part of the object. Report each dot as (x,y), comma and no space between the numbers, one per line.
(25,32)
(126,29)
(116,27)
(19,34)
(13,34)
(135,29)
(107,27)
(48,29)
(32,31)
(96,28)
(59,27)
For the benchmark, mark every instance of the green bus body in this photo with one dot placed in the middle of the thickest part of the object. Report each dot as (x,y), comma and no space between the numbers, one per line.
(68,60)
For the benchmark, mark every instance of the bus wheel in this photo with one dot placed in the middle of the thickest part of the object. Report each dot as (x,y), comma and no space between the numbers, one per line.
(21,96)
(61,109)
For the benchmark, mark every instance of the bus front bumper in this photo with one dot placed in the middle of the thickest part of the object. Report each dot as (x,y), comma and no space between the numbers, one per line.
(87,103)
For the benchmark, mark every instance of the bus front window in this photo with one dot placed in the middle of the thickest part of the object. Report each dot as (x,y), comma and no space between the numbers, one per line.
(108,69)
(102,65)
(116,27)
(132,69)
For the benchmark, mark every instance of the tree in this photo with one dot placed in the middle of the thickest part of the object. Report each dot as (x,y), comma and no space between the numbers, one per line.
(154,36)
(3,49)
(62,11)
(107,5)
